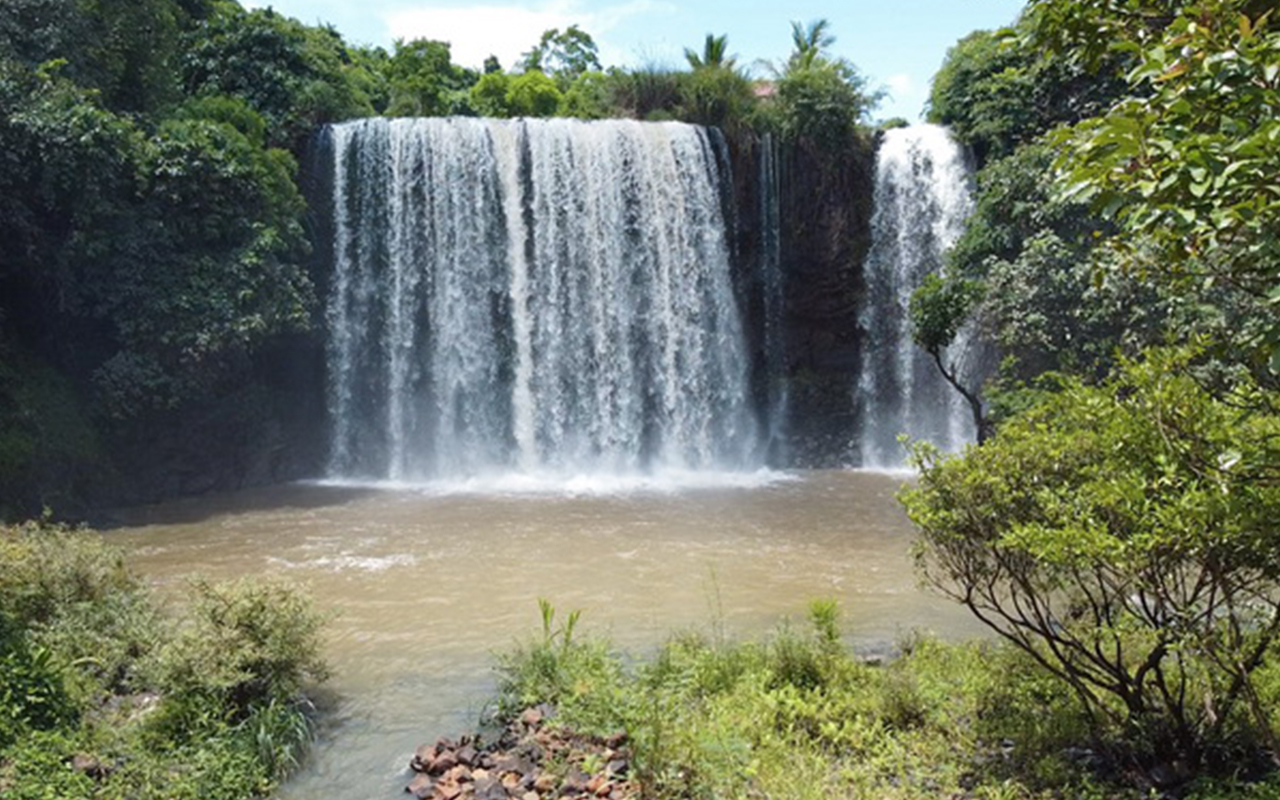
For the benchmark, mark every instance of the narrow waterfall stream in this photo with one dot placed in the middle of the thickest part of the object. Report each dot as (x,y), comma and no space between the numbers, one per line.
(775,300)
(538,297)
(923,194)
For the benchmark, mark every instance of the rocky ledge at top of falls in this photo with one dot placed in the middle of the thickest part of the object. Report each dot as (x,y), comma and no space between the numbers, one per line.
(529,760)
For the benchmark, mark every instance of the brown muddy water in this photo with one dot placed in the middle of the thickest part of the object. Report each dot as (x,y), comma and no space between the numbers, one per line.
(426,585)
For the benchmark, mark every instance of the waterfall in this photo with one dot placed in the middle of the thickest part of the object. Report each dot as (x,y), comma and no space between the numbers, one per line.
(774,300)
(531,296)
(923,194)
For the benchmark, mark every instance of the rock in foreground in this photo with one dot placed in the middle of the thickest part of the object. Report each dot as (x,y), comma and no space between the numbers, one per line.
(530,759)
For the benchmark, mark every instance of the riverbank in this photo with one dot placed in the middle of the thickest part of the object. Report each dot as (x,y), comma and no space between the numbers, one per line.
(793,716)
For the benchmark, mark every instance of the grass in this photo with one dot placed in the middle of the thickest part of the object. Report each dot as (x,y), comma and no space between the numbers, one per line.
(798,716)
(106,695)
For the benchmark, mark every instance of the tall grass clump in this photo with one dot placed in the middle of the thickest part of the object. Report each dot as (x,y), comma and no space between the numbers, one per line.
(581,677)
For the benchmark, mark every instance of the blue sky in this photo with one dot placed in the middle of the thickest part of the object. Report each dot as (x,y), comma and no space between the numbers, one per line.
(898,44)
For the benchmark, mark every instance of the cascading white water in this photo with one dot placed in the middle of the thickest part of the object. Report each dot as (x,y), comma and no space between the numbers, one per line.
(923,194)
(542,297)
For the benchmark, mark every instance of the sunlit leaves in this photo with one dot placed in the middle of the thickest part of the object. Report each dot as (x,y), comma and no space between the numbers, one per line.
(296,76)
(563,55)
(1192,160)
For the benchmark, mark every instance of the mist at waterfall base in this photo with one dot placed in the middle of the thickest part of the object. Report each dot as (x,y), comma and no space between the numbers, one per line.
(531,305)
(923,195)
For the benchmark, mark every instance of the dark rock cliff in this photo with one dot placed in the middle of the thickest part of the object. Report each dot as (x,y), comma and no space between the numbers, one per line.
(824,213)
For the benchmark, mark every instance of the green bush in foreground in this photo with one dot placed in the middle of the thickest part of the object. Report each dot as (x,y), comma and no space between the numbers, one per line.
(103,696)
(797,716)
(1123,537)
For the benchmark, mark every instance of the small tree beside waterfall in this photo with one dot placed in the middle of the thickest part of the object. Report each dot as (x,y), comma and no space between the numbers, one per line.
(938,309)
(1123,536)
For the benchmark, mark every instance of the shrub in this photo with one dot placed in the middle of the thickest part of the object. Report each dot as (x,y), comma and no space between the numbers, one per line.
(717,96)
(1122,536)
(83,649)
(590,96)
(247,643)
(70,594)
(823,104)
(49,569)
(648,91)
(489,95)
(532,95)
(32,695)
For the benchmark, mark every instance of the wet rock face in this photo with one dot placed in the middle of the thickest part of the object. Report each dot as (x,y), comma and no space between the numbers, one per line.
(531,759)
(824,206)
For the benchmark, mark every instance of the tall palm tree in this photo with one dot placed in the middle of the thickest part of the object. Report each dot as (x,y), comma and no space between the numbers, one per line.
(713,55)
(809,42)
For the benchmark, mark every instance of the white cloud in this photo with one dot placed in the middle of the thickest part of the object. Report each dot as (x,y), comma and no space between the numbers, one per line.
(508,31)
(906,97)
(901,85)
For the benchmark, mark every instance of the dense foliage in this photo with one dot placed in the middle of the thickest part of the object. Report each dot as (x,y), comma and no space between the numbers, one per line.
(1117,526)
(1119,534)
(1187,165)
(151,232)
(106,696)
(996,93)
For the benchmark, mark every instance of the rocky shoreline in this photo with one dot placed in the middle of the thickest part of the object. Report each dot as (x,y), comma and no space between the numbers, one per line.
(530,759)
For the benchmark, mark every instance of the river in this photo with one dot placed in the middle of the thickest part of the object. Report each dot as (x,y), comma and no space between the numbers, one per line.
(426,584)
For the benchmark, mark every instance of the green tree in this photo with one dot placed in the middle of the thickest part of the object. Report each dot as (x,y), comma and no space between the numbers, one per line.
(819,97)
(1189,161)
(126,49)
(716,92)
(533,94)
(715,53)
(489,95)
(590,96)
(297,77)
(149,258)
(564,55)
(809,44)
(938,309)
(1049,302)
(1122,535)
(997,91)
(424,81)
